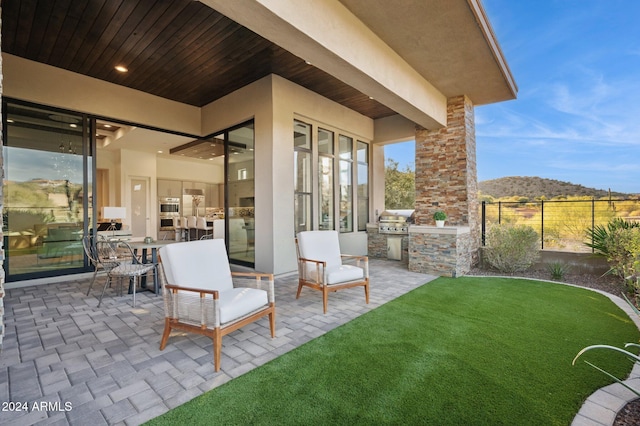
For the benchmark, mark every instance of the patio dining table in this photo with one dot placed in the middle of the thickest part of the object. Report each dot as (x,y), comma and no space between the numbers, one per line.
(145,247)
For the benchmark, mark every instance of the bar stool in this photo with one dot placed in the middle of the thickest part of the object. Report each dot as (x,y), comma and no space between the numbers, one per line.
(191,225)
(177,225)
(201,225)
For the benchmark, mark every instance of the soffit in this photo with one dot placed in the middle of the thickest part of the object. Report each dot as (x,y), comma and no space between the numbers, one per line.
(450,43)
(180,50)
(186,51)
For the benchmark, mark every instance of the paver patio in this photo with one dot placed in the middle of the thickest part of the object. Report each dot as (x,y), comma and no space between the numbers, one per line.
(80,364)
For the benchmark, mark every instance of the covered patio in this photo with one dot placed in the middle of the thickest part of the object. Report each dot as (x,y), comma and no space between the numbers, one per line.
(103,366)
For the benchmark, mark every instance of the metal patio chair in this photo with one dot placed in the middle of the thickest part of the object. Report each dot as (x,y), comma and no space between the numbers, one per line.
(119,261)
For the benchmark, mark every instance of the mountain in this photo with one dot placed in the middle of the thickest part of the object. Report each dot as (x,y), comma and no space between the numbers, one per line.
(533,187)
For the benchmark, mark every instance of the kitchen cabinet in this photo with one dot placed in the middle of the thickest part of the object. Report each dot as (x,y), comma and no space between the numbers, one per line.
(211,195)
(169,188)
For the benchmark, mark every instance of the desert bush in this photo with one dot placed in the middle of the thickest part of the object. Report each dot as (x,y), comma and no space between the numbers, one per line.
(511,248)
(558,270)
(599,236)
(622,247)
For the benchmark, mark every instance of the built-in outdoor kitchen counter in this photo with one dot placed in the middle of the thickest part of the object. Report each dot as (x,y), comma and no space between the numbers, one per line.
(442,251)
(389,237)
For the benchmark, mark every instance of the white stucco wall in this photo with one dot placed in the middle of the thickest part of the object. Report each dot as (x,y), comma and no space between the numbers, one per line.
(43,84)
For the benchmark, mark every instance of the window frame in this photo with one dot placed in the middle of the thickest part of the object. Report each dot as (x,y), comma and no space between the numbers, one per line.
(315,128)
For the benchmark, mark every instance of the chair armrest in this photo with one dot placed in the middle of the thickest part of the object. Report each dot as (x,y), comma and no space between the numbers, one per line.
(318,262)
(261,282)
(321,267)
(354,256)
(175,288)
(203,310)
(358,259)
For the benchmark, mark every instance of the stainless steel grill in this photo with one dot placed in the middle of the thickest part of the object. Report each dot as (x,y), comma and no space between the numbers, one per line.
(395,221)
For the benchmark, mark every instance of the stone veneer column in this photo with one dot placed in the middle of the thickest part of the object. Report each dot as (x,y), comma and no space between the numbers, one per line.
(1,209)
(446,179)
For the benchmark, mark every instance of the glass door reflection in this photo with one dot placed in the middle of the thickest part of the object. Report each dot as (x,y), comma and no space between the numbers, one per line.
(44,191)
(241,194)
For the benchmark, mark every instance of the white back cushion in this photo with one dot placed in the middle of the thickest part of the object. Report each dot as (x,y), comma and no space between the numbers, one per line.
(199,264)
(320,245)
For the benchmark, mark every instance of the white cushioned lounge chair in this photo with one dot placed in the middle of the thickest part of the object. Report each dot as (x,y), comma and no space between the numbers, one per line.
(320,265)
(203,296)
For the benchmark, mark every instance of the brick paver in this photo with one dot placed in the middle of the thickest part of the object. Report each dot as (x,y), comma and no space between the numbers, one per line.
(105,363)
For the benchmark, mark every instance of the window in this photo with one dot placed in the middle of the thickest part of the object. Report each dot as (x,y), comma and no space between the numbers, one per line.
(362,156)
(331,180)
(302,176)
(325,179)
(345,182)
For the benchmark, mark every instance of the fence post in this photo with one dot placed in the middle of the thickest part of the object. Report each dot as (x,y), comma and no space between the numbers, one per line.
(593,221)
(542,224)
(499,212)
(484,220)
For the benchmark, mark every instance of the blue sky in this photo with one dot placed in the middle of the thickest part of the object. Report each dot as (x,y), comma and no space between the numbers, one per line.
(577,116)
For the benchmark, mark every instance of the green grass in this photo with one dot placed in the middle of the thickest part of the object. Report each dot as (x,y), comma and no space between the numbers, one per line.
(481,351)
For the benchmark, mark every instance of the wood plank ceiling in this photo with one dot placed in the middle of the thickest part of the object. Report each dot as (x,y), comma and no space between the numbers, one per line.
(177,49)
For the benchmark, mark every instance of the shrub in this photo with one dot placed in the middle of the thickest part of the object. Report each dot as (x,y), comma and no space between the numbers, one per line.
(600,234)
(623,252)
(511,248)
(558,270)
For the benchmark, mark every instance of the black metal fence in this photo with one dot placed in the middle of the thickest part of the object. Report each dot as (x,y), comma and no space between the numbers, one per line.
(561,224)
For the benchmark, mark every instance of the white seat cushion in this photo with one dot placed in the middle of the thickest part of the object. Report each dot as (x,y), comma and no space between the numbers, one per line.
(238,302)
(343,273)
(234,303)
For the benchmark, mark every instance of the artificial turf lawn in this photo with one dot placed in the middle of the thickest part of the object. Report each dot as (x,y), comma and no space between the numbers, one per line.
(454,351)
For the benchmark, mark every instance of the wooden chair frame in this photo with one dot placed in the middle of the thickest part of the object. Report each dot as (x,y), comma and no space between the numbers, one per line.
(214,330)
(318,283)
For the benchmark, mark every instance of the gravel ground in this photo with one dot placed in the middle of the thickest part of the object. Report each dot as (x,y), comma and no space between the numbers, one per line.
(629,415)
(608,283)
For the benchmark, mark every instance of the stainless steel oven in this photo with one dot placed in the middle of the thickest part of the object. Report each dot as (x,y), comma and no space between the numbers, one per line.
(169,209)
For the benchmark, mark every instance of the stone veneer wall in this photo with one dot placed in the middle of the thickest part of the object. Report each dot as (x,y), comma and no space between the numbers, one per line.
(440,251)
(1,208)
(377,243)
(446,172)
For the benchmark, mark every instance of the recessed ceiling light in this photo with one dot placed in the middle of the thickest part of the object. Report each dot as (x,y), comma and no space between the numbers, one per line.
(108,126)
(121,68)
(307,62)
(10,120)
(371,97)
(159,152)
(73,125)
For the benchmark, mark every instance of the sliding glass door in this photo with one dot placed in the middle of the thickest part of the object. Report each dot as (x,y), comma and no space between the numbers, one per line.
(47,188)
(240,198)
